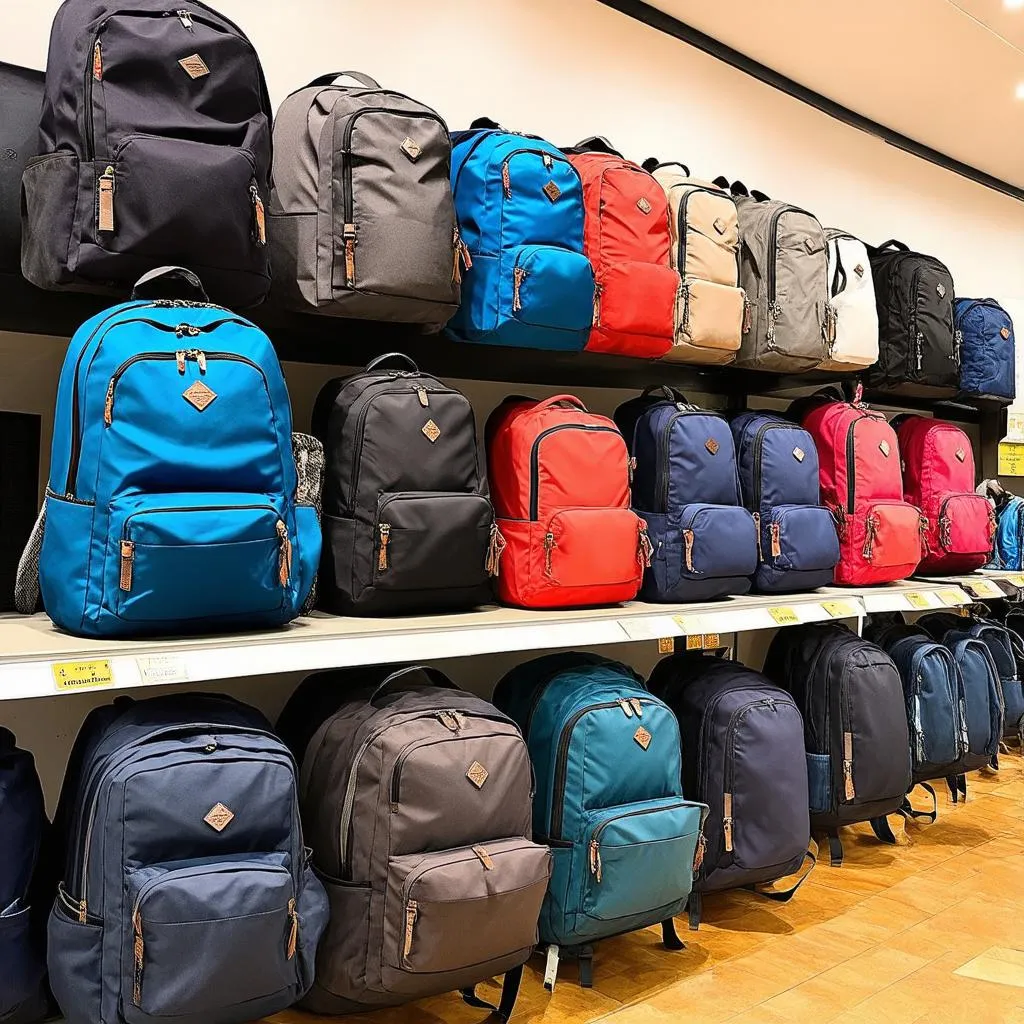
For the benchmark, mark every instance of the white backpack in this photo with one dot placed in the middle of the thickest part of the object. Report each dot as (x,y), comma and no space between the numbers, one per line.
(852,291)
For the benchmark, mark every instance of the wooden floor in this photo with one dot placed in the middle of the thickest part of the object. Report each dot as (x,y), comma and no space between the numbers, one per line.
(931,932)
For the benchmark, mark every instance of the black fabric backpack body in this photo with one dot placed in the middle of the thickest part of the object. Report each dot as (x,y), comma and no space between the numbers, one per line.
(155,149)
(22,90)
(408,525)
(918,350)
(855,725)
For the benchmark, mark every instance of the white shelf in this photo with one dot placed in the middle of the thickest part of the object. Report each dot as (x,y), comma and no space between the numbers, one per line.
(913,596)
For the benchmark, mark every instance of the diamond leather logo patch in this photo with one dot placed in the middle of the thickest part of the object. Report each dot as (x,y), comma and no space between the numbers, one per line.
(1005,334)
(960,454)
(941,289)
(719,225)
(859,270)
(643,205)
(883,447)
(552,191)
(411,148)
(199,395)
(431,431)
(194,66)
(712,445)
(643,737)
(477,774)
(799,454)
(219,817)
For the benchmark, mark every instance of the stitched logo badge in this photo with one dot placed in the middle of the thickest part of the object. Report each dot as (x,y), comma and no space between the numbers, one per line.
(799,454)
(431,431)
(643,737)
(199,395)
(712,445)
(859,270)
(960,454)
(552,191)
(643,205)
(883,447)
(219,817)
(194,66)
(1005,333)
(477,774)
(941,289)
(411,148)
(719,225)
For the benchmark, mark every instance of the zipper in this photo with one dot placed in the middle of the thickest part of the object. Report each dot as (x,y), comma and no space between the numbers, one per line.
(506,171)
(682,228)
(259,213)
(774,309)
(735,720)
(870,532)
(661,470)
(595,838)
(758,445)
(598,289)
(284,571)
(411,913)
(518,276)
(535,457)
(776,535)
(851,459)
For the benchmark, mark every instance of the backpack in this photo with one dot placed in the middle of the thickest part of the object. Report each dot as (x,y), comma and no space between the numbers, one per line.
(519,203)
(743,755)
(705,251)
(609,801)
(362,222)
(626,239)
(559,480)
(778,464)
(407,522)
(186,892)
(861,482)
(855,725)
(784,274)
(686,488)
(155,148)
(23,825)
(171,503)
(987,349)
(1009,538)
(938,477)
(417,797)
(22,90)
(917,351)
(852,292)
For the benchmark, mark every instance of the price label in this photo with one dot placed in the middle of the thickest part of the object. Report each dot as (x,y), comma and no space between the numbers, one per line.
(840,609)
(917,600)
(703,642)
(666,645)
(784,616)
(70,676)
(1016,580)
(689,624)
(162,669)
(984,588)
(952,598)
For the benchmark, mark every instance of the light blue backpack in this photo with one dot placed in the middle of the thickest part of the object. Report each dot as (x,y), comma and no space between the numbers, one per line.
(171,505)
(1009,553)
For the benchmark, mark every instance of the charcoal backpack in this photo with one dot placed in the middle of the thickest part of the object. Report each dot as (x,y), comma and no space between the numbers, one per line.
(609,801)
(855,725)
(417,797)
(186,892)
(854,342)
(917,348)
(987,349)
(519,203)
(155,148)
(362,222)
(171,505)
(23,826)
(778,463)
(408,526)
(22,90)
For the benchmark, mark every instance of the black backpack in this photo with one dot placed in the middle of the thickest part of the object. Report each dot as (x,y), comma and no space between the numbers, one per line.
(743,756)
(22,90)
(855,725)
(155,149)
(917,347)
(408,525)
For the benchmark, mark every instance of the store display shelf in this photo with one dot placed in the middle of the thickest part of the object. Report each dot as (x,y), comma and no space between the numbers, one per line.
(913,595)
(37,660)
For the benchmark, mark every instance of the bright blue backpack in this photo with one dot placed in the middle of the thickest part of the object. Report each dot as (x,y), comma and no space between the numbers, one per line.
(987,360)
(519,202)
(186,892)
(608,800)
(797,543)
(1009,551)
(686,487)
(22,945)
(171,503)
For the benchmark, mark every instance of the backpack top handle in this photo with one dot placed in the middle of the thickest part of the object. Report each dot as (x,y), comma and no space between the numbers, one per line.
(170,283)
(407,678)
(594,144)
(570,400)
(388,357)
(332,76)
(652,163)
(894,244)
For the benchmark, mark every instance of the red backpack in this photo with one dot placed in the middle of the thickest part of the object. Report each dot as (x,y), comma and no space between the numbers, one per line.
(938,477)
(859,456)
(627,240)
(559,479)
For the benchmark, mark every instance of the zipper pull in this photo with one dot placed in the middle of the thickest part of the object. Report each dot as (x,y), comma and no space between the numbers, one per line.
(776,532)
(108,404)
(127,564)
(688,541)
(638,708)
(757,530)
(839,516)
(285,558)
(382,553)
(920,353)
(698,853)
(411,913)
(548,162)
(449,719)
(186,20)
(105,201)
(631,468)
(259,213)
(922,525)
(627,708)
(198,355)
(293,931)
(992,524)
(549,544)
(646,549)
(848,765)
(179,358)
(456,253)
(83,912)
(506,180)
(748,314)
(944,529)
(140,957)
(349,235)
(595,859)
(421,394)
(518,275)
(97,61)
(684,294)
(598,289)
(495,549)
(869,538)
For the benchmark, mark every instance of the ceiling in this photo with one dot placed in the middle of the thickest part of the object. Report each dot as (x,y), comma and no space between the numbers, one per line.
(943,73)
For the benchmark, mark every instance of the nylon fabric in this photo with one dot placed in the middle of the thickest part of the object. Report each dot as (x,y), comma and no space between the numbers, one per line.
(987,349)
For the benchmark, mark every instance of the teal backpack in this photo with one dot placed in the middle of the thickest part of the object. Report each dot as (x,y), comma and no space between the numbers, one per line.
(171,506)
(608,801)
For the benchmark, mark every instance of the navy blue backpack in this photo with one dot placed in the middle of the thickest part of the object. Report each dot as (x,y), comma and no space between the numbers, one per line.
(686,487)
(797,543)
(987,359)
(22,827)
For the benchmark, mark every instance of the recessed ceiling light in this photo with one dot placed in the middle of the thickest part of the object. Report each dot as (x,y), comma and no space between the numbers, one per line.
(1013,5)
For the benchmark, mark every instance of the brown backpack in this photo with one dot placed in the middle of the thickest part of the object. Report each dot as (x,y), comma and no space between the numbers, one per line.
(417,799)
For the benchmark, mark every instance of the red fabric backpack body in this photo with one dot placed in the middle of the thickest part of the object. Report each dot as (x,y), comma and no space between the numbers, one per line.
(559,478)
(627,240)
(861,482)
(938,477)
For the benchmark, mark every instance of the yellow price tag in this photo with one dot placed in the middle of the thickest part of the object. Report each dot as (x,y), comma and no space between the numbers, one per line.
(1016,580)
(840,609)
(951,598)
(70,676)
(695,642)
(917,600)
(712,641)
(983,588)
(784,616)
(666,645)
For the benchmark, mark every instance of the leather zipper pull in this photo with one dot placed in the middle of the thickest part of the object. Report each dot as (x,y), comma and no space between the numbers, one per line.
(549,544)
(595,859)
(598,288)
(518,276)
(179,358)
(259,213)
(495,549)
(467,259)
(456,254)
(506,180)
(293,931)
(421,394)
(105,201)
(727,822)
(638,708)
(627,708)
(484,857)
(97,61)
(646,547)
(108,404)
(411,913)
(83,912)
(349,235)
(848,765)
(140,957)
(127,564)
(776,531)
(869,538)
(382,554)
(757,530)
(698,854)
(285,558)
(688,541)
(748,316)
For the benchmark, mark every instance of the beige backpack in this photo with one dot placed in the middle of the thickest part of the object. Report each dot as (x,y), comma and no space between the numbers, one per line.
(705,250)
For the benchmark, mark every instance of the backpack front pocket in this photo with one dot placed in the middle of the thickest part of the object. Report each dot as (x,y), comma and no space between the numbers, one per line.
(176,557)
(640,858)
(208,936)
(710,315)
(966,524)
(635,299)
(890,536)
(547,286)
(799,537)
(589,547)
(717,541)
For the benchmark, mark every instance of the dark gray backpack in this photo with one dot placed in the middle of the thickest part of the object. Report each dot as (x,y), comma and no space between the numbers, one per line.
(362,219)
(417,799)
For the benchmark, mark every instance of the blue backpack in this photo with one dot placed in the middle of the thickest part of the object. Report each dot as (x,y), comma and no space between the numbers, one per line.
(987,359)
(686,487)
(186,890)
(1009,551)
(171,504)
(519,202)
(22,944)
(797,543)
(608,801)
